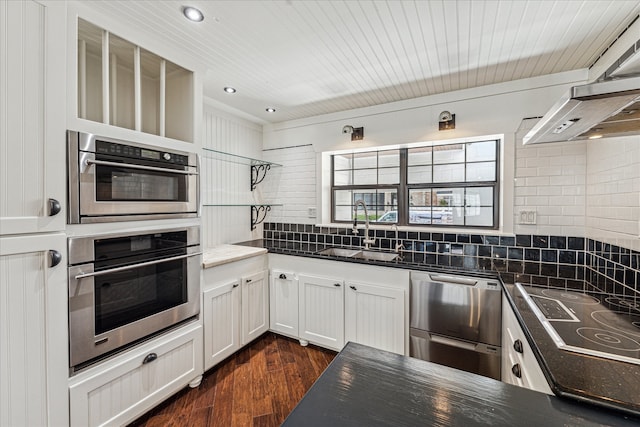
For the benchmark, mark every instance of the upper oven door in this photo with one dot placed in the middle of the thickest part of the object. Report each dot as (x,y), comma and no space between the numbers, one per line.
(110,188)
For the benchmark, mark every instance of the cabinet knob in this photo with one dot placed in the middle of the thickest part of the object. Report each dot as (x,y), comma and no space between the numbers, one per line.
(337,285)
(248,281)
(150,358)
(516,370)
(54,258)
(235,285)
(54,207)
(517,346)
(282,276)
(353,287)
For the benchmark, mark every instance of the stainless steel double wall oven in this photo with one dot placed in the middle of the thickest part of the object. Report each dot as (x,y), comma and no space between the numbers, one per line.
(127,286)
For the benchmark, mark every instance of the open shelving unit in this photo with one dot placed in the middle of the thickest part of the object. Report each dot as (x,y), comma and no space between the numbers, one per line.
(258,169)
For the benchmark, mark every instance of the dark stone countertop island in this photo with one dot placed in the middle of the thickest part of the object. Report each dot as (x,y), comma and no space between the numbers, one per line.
(364,386)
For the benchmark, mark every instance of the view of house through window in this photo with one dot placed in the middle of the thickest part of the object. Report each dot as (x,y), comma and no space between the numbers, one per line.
(445,185)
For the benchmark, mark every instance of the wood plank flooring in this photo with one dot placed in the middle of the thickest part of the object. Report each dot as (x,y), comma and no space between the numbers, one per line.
(257,386)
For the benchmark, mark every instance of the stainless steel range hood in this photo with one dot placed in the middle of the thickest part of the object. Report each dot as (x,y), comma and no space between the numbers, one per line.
(603,109)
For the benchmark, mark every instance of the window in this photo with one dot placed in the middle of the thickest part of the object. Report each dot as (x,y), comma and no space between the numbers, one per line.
(442,185)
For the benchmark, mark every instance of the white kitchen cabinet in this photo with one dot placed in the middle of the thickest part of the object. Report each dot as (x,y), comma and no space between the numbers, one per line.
(519,365)
(34,358)
(32,117)
(374,316)
(321,310)
(121,389)
(221,313)
(255,306)
(283,303)
(235,306)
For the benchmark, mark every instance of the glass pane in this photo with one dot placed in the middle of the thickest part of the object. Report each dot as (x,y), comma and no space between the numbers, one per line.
(485,171)
(342,178)
(365,160)
(420,197)
(89,71)
(452,153)
(419,174)
(389,176)
(448,173)
(481,151)
(479,196)
(479,216)
(344,213)
(389,216)
(342,197)
(342,161)
(419,156)
(448,205)
(365,176)
(420,216)
(388,158)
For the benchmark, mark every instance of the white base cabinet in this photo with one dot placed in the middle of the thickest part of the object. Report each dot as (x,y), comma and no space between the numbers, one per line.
(374,316)
(360,303)
(283,303)
(321,305)
(34,359)
(221,316)
(235,307)
(519,365)
(123,388)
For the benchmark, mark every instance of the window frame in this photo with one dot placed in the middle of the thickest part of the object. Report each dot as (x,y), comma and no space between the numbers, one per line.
(403,187)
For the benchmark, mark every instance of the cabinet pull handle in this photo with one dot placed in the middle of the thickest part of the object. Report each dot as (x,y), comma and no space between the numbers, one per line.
(282,276)
(517,346)
(54,258)
(353,287)
(516,370)
(235,285)
(150,358)
(248,280)
(54,207)
(337,285)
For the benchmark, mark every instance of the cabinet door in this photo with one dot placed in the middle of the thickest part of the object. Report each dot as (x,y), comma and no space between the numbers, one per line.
(283,304)
(255,306)
(33,331)
(221,322)
(322,311)
(32,117)
(374,316)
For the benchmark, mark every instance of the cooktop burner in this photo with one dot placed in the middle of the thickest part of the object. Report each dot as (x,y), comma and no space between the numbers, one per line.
(602,326)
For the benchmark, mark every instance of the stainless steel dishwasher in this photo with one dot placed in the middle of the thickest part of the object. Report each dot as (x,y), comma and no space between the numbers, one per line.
(456,321)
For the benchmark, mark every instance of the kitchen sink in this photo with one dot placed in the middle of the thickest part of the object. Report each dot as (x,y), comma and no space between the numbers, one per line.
(360,254)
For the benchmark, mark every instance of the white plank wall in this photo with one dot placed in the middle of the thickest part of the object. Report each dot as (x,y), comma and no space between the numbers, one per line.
(226,181)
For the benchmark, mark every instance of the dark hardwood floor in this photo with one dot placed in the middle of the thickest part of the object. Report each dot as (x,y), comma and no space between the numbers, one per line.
(257,386)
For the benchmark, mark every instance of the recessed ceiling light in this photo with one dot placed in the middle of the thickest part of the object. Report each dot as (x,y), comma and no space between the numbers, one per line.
(597,136)
(270,110)
(192,14)
(230,89)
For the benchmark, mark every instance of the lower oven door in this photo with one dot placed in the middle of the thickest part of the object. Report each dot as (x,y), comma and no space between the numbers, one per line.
(113,307)
(110,190)
(472,357)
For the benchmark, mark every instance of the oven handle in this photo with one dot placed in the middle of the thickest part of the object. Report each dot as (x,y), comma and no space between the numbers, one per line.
(131,166)
(130,267)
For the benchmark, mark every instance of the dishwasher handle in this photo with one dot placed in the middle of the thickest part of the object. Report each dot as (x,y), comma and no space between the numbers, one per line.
(453,279)
(453,342)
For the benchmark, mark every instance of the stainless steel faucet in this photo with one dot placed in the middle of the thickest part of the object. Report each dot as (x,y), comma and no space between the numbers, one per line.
(398,246)
(368,241)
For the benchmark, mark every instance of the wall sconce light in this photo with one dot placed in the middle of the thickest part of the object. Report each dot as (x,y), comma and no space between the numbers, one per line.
(357,134)
(446,121)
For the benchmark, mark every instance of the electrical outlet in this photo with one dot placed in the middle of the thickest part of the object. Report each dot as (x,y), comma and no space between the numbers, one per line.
(527,217)
(311,212)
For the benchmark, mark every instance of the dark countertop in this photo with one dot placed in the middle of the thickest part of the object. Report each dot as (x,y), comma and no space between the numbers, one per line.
(605,382)
(609,384)
(364,386)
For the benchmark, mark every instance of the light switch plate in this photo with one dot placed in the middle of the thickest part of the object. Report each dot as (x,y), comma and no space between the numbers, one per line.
(311,212)
(527,217)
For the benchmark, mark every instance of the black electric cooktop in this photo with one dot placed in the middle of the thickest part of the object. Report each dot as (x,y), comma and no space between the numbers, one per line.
(597,325)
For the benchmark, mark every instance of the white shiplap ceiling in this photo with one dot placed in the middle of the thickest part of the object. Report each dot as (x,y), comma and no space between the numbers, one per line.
(307,58)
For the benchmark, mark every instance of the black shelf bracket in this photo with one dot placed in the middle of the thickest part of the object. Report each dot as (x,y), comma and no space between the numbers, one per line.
(258,214)
(258,173)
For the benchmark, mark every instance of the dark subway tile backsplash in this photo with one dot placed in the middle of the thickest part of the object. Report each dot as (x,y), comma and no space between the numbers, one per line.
(556,261)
